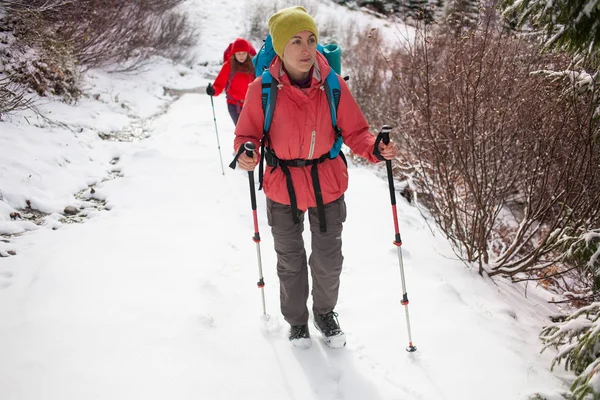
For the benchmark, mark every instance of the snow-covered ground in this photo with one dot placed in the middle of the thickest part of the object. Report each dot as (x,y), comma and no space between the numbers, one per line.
(156,297)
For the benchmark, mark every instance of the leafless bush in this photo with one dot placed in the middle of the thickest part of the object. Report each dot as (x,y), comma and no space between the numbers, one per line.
(103,32)
(369,63)
(53,41)
(330,29)
(12,97)
(501,143)
(25,62)
(507,159)
(257,15)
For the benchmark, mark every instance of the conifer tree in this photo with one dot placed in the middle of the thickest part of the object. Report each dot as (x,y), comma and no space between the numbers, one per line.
(577,340)
(573,25)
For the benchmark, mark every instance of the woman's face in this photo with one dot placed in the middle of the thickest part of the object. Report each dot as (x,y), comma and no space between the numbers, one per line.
(241,56)
(299,54)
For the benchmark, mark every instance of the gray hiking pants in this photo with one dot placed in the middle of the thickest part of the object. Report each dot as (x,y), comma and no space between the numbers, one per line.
(325,259)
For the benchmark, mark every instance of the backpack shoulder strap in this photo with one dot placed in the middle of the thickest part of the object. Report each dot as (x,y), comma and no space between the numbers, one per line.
(268,99)
(333,91)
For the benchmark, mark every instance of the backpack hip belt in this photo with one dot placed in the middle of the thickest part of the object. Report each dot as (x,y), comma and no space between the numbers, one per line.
(274,162)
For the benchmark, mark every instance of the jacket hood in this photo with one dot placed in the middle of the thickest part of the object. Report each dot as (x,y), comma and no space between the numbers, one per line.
(240,45)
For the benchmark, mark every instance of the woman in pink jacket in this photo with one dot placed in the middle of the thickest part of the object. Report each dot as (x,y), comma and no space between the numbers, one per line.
(299,140)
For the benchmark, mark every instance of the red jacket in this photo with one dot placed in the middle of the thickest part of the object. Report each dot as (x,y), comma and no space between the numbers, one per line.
(234,84)
(301,128)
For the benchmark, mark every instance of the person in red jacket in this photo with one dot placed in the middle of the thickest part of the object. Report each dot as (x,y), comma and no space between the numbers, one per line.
(236,74)
(297,149)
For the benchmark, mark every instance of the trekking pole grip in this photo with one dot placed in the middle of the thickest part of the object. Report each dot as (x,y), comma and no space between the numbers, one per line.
(385,134)
(250,149)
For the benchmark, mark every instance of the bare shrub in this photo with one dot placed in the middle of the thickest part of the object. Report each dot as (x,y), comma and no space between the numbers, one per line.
(12,97)
(257,16)
(39,62)
(105,32)
(329,29)
(505,152)
(53,41)
(369,63)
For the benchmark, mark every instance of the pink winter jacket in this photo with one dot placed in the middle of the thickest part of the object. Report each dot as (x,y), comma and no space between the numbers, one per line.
(301,128)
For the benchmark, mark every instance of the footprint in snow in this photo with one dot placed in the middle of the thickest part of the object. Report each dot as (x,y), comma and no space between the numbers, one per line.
(5,280)
(207,321)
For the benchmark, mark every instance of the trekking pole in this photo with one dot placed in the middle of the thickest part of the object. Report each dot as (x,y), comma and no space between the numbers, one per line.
(384,135)
(217,132)
(250,148)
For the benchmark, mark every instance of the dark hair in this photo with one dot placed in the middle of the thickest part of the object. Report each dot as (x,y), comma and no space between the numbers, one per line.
(246,66)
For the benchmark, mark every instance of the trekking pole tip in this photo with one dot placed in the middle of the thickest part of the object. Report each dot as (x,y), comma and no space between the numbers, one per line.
(411,348)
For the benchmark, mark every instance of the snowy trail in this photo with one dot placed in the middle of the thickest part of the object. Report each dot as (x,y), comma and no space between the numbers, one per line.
(162,300)
(157,297)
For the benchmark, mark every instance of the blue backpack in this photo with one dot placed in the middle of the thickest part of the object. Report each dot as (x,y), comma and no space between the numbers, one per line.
(262,60)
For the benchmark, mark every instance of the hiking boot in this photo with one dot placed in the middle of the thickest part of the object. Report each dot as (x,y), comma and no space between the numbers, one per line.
(329,327)
(300,337)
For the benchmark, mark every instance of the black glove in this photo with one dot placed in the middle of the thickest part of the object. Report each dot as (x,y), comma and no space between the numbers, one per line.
(210,90)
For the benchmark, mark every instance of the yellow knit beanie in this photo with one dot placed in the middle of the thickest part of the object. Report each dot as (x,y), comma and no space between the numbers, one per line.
(285,23)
